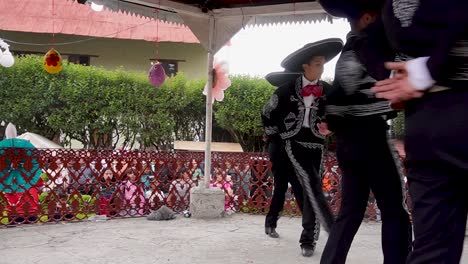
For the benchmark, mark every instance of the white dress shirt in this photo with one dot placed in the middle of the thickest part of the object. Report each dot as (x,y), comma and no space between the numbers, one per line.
(308,100)
(418,73)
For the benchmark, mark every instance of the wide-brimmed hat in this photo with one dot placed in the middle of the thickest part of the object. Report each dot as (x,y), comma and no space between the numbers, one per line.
(279,78)
(350,8)
(327,48)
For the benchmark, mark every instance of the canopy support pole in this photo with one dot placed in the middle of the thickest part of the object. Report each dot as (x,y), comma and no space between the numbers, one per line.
(209,104)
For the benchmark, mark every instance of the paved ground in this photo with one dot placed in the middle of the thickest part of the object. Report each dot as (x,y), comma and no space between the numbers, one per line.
(237,239)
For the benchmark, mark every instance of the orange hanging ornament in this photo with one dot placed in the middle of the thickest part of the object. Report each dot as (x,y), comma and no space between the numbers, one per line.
(52,62)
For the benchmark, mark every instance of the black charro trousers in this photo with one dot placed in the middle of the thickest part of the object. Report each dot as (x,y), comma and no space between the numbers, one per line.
(367,163)
(437,162)
(284,168)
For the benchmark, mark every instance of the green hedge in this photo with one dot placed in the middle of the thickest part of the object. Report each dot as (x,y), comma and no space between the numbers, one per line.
(398,125)
(90,104)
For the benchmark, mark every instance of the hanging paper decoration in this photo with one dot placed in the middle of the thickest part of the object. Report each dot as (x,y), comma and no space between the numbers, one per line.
(156,74)
(6,58)
(221,81)
(52,62)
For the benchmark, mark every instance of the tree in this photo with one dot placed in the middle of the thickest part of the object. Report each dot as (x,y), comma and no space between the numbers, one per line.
(239,113)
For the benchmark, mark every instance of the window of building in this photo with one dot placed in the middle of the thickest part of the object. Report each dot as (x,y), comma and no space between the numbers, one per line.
(24,53)
(80,59)
(72,58)
(171,67)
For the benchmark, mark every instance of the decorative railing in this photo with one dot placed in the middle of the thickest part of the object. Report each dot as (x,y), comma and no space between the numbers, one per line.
(45,185)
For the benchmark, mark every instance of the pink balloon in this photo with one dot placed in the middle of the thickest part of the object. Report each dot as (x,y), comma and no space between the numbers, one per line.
(156,75)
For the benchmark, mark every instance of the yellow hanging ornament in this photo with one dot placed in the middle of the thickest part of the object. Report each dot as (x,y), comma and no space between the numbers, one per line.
(52,62)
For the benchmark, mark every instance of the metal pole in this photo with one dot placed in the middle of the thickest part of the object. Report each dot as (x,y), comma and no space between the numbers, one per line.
(209,105)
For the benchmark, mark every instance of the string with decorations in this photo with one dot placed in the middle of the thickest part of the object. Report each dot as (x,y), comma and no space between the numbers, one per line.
(52,61)
(157,74)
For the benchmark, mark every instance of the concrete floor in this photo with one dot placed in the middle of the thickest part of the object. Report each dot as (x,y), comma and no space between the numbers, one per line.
(237,239)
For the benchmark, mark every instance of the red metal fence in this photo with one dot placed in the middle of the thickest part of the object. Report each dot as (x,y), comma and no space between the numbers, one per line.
(71,185)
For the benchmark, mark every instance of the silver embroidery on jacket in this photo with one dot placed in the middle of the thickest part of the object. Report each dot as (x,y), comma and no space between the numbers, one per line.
(350,72)
(311,145)
(270,106)
(271,130)
(404,10)
(313,120)
(460,50)
(301,113)
(290,120)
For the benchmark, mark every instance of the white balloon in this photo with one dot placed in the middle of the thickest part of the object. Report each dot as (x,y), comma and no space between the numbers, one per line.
(10,131)
(96,7)
(7,59)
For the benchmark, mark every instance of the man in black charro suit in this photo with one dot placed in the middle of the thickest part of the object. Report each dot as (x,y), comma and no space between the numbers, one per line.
(291,119)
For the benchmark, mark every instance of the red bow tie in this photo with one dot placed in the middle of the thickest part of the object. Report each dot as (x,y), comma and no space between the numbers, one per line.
(312,89)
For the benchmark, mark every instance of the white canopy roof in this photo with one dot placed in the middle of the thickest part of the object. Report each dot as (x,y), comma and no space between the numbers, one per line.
(228,21)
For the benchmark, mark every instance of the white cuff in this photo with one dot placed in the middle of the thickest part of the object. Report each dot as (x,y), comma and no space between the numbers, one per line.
(418,74)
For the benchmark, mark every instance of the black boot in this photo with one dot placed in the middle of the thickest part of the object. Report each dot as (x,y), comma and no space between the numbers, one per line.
(270,231)
(307,251)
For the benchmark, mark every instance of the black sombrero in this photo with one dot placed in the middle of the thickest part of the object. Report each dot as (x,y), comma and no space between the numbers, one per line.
(328,48)
(350,8)
(279,78)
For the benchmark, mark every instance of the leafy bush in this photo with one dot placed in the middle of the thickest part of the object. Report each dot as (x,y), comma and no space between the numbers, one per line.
(100,108)
(240,111)
(398,125)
